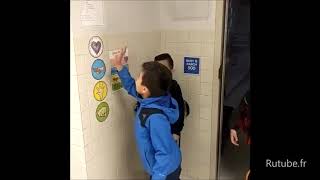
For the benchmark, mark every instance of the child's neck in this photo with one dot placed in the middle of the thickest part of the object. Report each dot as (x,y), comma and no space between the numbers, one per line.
(145,96)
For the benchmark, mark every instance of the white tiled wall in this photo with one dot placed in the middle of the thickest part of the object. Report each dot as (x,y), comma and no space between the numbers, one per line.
(109,147)
(78,163)
(197,90)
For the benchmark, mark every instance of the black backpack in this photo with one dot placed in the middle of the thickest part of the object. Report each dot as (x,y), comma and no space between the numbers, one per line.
(146,112)
(186,108)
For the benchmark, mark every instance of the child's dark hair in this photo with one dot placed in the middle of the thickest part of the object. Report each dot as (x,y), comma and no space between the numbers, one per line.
(165,56)
(156,77)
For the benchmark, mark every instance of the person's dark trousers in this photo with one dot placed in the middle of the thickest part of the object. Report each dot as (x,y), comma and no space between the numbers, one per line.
(227,112)
(175,175)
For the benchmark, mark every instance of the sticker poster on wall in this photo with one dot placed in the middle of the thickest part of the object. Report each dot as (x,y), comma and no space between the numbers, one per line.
(95,46)
(115,79)
(102,111)
(100,91)
(191,65)
(98,69)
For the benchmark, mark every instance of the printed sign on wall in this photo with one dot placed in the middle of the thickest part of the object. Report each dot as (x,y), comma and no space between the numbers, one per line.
(100,91)
(98,69)
(95,46)
(102,111)
(191,65)
(91,13)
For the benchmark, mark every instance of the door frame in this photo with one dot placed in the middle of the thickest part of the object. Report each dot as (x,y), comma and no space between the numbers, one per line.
(221,25)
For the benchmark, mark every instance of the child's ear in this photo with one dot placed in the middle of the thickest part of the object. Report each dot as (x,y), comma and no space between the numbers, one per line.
(173,70)
(144,89)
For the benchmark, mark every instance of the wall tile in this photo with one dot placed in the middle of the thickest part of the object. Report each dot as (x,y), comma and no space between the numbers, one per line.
(206,88)
(177,36)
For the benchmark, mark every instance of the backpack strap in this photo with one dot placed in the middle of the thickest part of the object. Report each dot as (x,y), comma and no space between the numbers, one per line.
(137,104)
(146,112)
(136,107)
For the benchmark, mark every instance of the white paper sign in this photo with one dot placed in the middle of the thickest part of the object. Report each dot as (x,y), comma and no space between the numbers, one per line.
(91,13)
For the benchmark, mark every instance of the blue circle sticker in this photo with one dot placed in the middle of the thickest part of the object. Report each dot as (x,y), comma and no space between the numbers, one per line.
(98,69)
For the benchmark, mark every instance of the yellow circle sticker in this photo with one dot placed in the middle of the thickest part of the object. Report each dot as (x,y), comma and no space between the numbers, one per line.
(100,91)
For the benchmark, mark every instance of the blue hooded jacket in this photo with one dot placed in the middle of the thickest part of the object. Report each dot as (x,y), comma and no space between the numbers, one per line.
(158,151)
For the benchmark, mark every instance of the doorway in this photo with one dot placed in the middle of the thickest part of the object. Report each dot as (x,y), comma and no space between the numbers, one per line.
(234,160)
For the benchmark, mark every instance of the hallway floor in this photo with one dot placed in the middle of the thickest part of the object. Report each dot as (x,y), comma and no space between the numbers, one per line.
(235,161)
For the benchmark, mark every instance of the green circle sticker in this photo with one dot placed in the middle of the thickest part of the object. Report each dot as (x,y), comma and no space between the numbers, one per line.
(102,111)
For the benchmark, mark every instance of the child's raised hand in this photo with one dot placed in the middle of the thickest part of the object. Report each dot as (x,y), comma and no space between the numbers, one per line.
(116,61)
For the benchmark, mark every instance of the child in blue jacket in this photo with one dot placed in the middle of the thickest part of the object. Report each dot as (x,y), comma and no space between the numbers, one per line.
(158,151)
